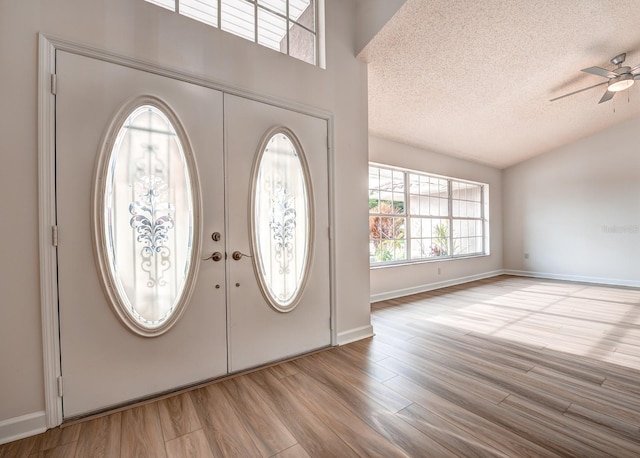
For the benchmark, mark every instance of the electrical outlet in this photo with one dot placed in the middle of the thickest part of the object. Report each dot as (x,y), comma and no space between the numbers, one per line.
(439,271)
(526,255)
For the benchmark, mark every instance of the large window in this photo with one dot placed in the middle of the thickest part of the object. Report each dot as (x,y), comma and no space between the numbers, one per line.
(288,26)
(414,216)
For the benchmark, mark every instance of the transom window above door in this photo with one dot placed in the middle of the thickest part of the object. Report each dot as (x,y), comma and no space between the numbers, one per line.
(287,26)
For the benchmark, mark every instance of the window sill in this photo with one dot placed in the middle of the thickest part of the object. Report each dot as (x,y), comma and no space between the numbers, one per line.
(424,261)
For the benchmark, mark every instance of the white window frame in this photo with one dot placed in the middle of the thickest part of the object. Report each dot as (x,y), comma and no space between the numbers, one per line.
(318,33)
(407,215)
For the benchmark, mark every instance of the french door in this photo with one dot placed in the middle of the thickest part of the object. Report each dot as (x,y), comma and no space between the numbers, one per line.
(260,330)
(159,182)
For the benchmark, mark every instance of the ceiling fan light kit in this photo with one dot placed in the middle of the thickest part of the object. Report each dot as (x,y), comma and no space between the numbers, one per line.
(619,79)
(621,83)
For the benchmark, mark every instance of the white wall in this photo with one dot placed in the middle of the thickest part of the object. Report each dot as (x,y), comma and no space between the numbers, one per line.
(140,30)
(407,279)
(576,210)
(372,16)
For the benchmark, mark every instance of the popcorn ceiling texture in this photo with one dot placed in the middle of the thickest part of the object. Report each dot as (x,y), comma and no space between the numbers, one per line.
(473,79)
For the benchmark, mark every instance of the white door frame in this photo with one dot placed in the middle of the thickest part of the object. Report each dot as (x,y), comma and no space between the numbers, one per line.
(48,45)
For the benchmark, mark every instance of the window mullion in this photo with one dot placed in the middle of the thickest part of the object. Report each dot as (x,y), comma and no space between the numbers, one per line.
(219,14)
(484,241)
(450,203)
(320,35)
(407,221)
(288,29)
(255,21)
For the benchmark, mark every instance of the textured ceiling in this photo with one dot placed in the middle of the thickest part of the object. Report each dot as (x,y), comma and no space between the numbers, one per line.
(473,79)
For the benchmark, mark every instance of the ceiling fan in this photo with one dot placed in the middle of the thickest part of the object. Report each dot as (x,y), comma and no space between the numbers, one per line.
(619,79)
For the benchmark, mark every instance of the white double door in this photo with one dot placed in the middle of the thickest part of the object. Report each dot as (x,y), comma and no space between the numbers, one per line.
(228,325)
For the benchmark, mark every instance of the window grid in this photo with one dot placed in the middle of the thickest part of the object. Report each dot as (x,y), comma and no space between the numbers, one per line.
(268,24)
(427,218)
(388,217)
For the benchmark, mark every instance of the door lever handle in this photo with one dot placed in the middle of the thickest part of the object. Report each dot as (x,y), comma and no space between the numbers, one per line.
(215,256)
(237,255)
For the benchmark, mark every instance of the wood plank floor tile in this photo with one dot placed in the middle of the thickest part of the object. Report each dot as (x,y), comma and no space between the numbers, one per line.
(61,451)
(447,383)
(178,416)
(470,418)
(295,451)
(329,363)
(608,399)
(18,449)
(100,437)
(268,432)
(375,371)
(386,423)
(447,434)
(356,433)
(316,438)
(142,432)
(56,437)
(615,423)
(225,432)
(597,440)
(193,444)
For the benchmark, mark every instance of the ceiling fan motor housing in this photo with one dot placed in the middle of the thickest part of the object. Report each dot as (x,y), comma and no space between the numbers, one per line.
(619,59)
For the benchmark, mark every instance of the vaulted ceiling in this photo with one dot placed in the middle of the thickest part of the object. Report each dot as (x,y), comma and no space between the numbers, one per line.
(473,79)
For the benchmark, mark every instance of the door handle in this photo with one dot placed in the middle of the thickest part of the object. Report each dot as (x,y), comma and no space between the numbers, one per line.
(237,255)
(215,256)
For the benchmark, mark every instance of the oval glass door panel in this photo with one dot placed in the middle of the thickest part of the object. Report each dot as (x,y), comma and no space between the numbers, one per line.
(147,218)
(281,219)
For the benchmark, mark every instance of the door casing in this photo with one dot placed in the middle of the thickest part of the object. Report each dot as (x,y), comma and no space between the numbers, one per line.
(48,46)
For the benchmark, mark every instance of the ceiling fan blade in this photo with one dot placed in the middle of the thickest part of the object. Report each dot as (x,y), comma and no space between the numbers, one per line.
(635,70)
(578,91)
(600,72)
(607,96)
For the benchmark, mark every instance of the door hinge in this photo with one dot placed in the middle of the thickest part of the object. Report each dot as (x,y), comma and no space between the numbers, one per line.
(54,235)
(60,386)
(329,233)
(54,83)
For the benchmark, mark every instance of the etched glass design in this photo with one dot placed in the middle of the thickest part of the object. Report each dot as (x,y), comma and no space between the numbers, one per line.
(281,221)
(148,217)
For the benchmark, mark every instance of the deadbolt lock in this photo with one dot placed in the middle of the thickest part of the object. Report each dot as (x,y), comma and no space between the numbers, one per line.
(216,236)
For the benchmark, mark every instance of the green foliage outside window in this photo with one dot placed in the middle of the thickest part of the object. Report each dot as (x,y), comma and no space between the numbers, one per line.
(440,245)
(385,231)
(398,205)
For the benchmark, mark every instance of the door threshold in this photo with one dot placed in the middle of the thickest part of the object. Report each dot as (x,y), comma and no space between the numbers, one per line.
(185,389)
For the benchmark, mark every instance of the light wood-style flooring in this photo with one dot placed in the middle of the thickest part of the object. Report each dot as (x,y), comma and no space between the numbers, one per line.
(508,366)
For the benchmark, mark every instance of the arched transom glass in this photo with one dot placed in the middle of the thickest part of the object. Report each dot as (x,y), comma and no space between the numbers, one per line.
(281,219)
(147,218)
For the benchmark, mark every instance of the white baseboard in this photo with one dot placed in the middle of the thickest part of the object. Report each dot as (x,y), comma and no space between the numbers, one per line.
(576,278)
(23,426)
(431,286)
(355,334)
